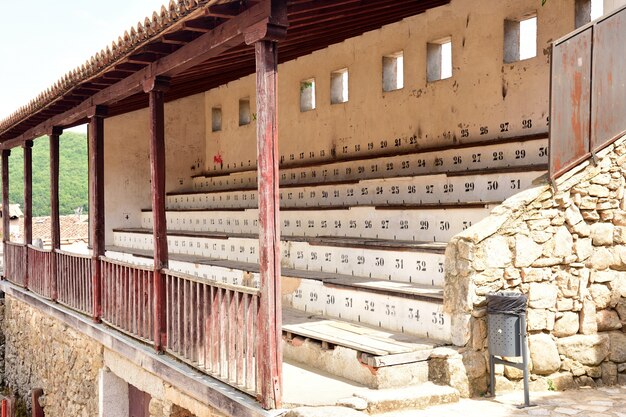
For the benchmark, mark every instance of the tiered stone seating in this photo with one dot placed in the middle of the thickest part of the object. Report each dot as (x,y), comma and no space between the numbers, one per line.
(362,241)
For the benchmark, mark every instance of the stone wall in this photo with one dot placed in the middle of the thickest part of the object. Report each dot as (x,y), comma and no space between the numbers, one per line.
(42,352)
(566,250)
(76,372)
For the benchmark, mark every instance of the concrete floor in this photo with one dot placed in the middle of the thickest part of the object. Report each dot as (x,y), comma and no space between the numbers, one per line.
(584,402)
(310,387)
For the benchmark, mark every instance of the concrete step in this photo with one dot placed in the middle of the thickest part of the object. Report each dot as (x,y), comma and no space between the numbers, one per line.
(335,396)
(399,261)
(416,190)
(383,401)
(478,157)
(422,224)
(400,307)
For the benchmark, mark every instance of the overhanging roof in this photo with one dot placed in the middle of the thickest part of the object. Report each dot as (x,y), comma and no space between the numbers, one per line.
(313,25)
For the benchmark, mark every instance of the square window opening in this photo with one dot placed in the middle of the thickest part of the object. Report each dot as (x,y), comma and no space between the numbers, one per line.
(439,60)
(520,39)
(216,119)
(245,116)
(339,86)
(307,95)
(588,10)
(393,71)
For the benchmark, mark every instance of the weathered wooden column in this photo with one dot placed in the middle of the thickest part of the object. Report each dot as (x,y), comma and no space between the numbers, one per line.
(6,221)
(96,203)
(55,226)
(270,312)
(28,201)
(156,89)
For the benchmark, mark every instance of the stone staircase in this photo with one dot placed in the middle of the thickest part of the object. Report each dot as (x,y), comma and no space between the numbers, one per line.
(363,246)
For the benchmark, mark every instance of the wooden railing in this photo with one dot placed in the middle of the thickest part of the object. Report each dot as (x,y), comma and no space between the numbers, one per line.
(75,281)
(208,325)
(40,265)
(15,263)
(214,327)
(128,297)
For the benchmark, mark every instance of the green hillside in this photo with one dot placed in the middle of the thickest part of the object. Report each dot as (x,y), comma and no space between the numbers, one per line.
(73,191)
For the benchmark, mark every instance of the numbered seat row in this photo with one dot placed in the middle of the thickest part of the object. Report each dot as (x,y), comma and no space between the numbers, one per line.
(420,263)
(404,308)
(428,224)
(484,157)
(421,190)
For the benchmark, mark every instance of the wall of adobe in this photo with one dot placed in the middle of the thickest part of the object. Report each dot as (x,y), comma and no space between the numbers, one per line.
(127,158)
(484,99)
(566,250)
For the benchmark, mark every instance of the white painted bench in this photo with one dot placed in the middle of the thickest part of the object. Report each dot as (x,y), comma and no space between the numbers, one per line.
(492,156)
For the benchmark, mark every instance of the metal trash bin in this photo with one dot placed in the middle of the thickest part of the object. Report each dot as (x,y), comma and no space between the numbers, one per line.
(504,311)
(506,323)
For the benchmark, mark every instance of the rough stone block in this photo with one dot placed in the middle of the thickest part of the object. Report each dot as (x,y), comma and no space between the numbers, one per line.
(589,350)
(566,325)
(608,320)
(542,295)
(617,347)
(526,251)
(602,234)
(544,354)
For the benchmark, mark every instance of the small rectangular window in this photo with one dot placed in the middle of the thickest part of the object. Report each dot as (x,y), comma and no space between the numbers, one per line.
(439,59)
(244,112)
(339,86)
(216,119)
(393,71)
(588,10)
(307,95)
(520,39)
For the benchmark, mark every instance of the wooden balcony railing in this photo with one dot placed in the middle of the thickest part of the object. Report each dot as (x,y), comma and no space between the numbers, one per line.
(209,325)
(15,263)
(40,275)
(74,275)
(214,327)
(128,297)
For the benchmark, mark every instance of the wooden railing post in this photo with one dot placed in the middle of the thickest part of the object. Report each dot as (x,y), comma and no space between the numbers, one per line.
(156,90)
(270,313)
(55,226)
(28,202)
(5,206)
(96,204)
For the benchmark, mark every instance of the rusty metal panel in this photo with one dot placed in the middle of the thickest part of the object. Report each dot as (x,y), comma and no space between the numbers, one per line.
(570,101)
(609,80)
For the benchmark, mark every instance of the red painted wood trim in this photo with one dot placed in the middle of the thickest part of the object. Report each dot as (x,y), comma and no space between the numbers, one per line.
(157,172)
(5,197)
(28,200)
(270,361)
(55,226)
(96,205)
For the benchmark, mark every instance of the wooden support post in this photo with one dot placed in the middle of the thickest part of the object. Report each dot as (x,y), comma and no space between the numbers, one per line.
(6,216)
(270,313)
(156,89)
(28,201)
(55,226)
(96,204)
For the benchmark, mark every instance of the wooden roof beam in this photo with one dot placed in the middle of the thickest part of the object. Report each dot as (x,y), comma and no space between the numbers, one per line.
(245,26)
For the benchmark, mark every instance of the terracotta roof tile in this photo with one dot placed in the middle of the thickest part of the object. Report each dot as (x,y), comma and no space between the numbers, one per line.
(131,40)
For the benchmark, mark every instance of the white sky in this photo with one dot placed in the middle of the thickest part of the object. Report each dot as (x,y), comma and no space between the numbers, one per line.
(41,40)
